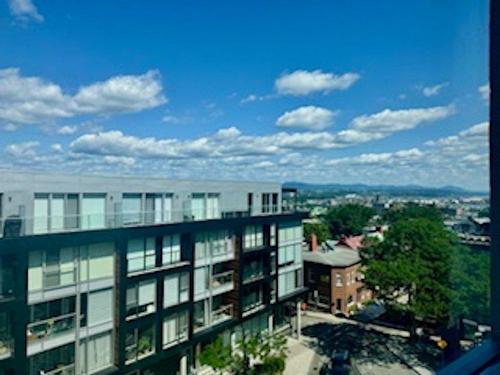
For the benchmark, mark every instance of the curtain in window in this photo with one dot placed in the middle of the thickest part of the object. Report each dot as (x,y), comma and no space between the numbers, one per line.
(198,207)
(40,215)
(171,290)
(57,212)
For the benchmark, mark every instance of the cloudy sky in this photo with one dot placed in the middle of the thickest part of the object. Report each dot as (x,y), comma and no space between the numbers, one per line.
(391,92)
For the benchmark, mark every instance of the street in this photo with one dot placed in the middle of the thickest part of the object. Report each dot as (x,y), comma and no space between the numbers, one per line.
(374,350)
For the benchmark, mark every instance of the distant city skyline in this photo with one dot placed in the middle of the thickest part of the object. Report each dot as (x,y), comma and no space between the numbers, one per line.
(324,92)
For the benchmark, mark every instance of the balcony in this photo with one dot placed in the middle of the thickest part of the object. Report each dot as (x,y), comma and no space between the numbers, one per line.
(251,274)
(51,328)
(218,284)
(221,314)
(15,226)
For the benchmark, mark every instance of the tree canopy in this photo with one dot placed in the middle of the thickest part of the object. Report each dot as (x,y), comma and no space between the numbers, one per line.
(348,219)
(320,229)
(413,211)
(413,263)
(254,354)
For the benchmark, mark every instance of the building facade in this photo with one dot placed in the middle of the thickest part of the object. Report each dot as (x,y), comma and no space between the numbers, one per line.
(109,275)
(334,280)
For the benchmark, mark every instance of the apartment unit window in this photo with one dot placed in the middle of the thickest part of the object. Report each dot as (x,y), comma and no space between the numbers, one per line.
(175,328)
(273,263)
(176,289)
(201,280)
(253,270)
(61,360)
(253,297)
(55,212)
(141,254)
(290,254)
(100,307)
(213,243)
(6,342)
(131,208)
(6,276)
(290,232)
(253,236)
(272,235)
(141,298)
(49,269)
(139,343)
(339,280)
(205,206)
(96,261)
(96,353)
(198,206)
(57,268)
(289,281)
(266,202)
(171,249)
(159,207)
(93,211)
(275,202)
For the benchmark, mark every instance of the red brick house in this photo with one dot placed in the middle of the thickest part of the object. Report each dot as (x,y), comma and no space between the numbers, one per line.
(333,277)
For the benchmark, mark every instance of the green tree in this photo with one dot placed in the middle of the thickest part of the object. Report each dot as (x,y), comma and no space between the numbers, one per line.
(348,219)
(254,354)
(320,229)
(484,212)
(413,211)
(410,269)
(471,284)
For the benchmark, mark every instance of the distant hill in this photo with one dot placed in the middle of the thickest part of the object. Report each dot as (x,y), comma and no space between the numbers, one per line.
(383,189)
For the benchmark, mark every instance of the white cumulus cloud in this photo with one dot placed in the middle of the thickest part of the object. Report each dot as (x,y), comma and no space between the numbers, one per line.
(303,82)
(434,90)
(24,10)
(307,117)
(32,100)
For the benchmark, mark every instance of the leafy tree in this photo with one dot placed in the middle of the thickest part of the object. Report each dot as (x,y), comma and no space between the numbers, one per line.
(485,212)
(254,354)
(348,219)
(413,262)
(320,229)
(413,211)
(471,284)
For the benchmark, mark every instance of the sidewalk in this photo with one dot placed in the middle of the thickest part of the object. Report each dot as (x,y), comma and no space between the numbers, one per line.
(301,359)
(366,326)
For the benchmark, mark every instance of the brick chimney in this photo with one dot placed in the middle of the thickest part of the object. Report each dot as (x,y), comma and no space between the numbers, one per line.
(313,243)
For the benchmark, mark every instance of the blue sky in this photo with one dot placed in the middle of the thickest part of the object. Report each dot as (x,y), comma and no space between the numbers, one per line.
(325,91)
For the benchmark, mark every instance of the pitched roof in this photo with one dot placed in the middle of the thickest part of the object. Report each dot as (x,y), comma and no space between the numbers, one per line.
(354,242)
(340,257)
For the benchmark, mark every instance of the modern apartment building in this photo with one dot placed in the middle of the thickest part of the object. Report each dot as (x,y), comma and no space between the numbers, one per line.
(127,275)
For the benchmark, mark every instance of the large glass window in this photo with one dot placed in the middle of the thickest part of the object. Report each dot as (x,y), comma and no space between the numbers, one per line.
(49,269)
(253,236)
(171,252)
(141,254)
(176,289)
(41,214)
(93,211)
(131,208)
(175,328)
(141,297)
(139,343)
(213,209)
(289,281)
(213,243)
(55,212)
(96,353)
(100,307)
(198,206)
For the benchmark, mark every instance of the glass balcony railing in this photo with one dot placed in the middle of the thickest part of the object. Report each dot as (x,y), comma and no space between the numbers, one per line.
(50,328)
(222,279)
(15,226)
(253,273)
(219,315)
(62,370)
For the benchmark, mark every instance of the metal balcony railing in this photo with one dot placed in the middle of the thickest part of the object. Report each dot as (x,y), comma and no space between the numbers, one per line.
(221,279)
